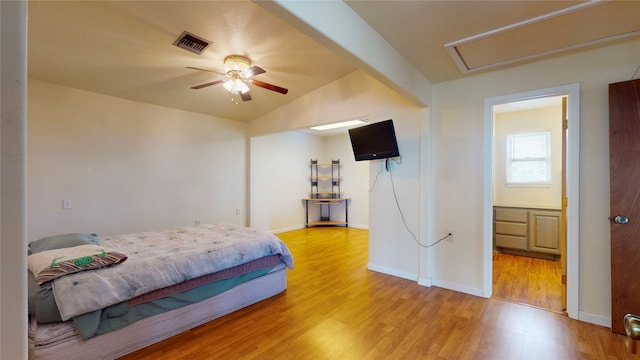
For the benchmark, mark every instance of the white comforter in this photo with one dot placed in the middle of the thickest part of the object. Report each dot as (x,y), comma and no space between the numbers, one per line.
(160,259)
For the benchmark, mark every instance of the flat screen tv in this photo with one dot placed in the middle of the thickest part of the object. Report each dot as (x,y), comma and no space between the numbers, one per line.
(374,141)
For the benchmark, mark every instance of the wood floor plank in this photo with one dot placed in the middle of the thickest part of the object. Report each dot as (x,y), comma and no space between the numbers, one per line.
(527,280)
(334,308)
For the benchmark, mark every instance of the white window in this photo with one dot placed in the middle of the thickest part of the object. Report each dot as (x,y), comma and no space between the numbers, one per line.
(529,159)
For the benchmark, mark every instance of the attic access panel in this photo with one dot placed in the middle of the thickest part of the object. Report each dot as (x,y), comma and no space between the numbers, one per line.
(571,28)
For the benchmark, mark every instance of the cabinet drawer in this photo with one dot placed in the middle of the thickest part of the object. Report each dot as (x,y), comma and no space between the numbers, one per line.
(514,215)
(511,242)
(510,228)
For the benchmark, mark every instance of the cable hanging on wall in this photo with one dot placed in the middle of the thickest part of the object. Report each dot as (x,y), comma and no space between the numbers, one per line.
(395,196)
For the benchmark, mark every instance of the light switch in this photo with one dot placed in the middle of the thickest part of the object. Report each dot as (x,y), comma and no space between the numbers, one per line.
(66,204)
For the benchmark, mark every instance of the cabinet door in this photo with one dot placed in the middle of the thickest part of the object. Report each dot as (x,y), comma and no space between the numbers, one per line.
(544,231)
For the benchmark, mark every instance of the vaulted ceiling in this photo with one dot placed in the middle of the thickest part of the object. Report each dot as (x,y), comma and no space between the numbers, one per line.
(125,48)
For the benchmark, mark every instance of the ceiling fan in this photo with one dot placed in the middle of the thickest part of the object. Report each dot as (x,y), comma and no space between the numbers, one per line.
(239,74)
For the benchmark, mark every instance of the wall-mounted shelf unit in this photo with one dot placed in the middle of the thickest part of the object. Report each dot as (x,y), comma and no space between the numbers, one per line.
(324,193)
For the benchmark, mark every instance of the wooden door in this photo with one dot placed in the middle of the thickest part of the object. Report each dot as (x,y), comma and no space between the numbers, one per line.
(624,172)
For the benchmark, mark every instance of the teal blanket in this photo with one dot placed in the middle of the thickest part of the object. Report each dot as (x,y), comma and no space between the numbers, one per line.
(120,315)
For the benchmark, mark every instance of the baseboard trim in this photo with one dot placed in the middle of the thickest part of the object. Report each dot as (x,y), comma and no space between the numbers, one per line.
(298,227)
(425,282)
(291,228)
(458,287)
(595,319)
(393,272)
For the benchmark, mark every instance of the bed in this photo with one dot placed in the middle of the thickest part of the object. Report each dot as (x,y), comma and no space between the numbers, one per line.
(117,294)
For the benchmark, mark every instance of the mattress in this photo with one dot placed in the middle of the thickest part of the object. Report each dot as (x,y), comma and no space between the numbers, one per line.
(61,341)
(160,284)
(117,316)
(157,259)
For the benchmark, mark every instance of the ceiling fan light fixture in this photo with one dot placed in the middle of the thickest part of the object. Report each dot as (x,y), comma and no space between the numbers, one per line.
(236,64)
(236,85)
(237,68)
(239,74)
(247,74)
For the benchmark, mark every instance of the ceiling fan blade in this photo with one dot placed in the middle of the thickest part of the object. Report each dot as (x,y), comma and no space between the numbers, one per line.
(257,70)
(271,87)
(207,84)
(213,71)
(246,96)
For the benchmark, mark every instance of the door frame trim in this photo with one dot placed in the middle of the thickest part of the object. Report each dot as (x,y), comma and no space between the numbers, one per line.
(573,188)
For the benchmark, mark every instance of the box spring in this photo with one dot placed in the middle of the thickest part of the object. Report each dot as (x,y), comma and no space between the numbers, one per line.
(66,344)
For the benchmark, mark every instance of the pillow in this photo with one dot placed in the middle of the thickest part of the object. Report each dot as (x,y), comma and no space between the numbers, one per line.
(52,264)
(62,241)
(42,303)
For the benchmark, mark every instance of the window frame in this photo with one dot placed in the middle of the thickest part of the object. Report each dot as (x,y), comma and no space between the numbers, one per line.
(510,160)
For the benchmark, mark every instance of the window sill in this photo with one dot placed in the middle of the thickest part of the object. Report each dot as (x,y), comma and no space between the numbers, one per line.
(529,185)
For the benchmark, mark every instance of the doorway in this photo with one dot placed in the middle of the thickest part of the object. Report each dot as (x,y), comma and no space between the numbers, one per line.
(572,187)
(529,250)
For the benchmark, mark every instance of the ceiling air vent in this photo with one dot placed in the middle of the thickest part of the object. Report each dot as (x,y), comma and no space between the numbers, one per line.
(191,42)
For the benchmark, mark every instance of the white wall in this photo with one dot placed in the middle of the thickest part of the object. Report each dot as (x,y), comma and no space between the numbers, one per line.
(355,178)
(457,119)
(392,248)
(535,120)
(128,166)
(280,179)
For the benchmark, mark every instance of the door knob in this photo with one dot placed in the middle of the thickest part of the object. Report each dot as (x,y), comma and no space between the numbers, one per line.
(621,219)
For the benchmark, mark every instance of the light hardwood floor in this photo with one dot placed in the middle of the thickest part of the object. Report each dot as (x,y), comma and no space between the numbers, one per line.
(334,308)
(527,280)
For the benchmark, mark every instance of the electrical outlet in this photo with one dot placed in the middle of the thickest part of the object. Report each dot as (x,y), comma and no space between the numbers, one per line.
(450,237)
(237,211)
(197,222)
(66,204)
